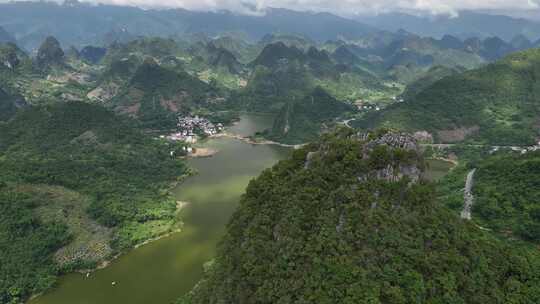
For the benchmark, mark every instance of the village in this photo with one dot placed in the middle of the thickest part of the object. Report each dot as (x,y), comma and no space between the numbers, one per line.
(190,127)
(367,106)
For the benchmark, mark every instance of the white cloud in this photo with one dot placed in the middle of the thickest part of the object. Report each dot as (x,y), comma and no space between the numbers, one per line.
(342,7)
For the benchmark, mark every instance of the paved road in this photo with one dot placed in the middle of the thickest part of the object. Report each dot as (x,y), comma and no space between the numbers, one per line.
(468,197)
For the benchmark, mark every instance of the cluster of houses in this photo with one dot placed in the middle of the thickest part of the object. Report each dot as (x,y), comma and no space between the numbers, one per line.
(522,150)
(189,127)
(398,99)
(363,105)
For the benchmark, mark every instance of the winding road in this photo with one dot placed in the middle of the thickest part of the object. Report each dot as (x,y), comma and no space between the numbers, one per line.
(468,196)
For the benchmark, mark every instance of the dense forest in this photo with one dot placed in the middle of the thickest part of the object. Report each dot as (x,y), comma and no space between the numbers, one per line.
(81,162)
(348,219)
(507,190)
(300,120)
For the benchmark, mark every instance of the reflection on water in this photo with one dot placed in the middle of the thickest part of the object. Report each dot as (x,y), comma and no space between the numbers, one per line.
(164,270)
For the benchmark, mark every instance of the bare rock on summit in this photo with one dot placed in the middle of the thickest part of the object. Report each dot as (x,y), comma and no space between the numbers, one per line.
(389,156)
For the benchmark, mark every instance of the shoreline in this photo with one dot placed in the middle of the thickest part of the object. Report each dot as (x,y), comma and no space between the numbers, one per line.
(107,262)
(203,153)
(104,264)
(252,141)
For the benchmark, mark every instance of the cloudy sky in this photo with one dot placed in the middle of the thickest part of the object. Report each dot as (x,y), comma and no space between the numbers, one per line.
(342,7)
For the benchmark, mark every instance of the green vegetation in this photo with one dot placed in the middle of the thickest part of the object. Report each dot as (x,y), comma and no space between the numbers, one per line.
(27,246)
(300,120)
(434,74)
(507,188)
(9,105)
(49,53)
(505,191)
(155,95)
(496,104)
(343,221)
(77,175)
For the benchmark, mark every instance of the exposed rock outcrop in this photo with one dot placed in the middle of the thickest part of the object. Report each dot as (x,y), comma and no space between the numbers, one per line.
(391,157)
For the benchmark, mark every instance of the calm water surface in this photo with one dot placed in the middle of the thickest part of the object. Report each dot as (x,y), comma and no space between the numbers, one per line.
(162,271)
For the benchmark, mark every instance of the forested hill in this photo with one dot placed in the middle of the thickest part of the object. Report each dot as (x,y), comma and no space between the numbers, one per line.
(506,191)
(349,220)
(78,185)
(497,104)
(301,119)
(155,95)
(9,105)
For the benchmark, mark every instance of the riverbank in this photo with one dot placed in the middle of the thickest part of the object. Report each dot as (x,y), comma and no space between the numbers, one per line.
(104,264)
(202,153)
(252,141)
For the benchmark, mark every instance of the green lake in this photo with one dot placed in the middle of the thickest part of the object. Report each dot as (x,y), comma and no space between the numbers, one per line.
(164,270)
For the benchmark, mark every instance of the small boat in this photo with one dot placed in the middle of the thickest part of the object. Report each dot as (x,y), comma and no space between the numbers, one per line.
(113,283)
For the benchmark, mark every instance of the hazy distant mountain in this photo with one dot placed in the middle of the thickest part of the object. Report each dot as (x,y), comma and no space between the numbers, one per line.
(5,36)
(467,24)
(77,23)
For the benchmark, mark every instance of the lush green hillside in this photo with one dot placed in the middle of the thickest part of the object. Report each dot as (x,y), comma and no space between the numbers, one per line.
(9,105)
(156,94)
(80,177)
(27,246)
(497,104)
(348,221)
(506,192)
(282,72)
(49,54)
(301,120)
(48,78)
(433,75)
(505,189)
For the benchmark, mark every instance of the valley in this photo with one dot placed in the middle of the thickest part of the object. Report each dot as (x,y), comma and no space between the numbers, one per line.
(258,155)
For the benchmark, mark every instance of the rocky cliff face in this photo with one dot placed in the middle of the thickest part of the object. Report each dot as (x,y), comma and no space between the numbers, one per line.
(392,156)
(10,60)
(407,163)
(11,56)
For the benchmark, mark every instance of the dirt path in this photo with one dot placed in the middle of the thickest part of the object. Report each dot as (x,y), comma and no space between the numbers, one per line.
(468,196)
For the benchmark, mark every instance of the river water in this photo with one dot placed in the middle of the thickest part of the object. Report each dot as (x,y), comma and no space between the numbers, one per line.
(164,270)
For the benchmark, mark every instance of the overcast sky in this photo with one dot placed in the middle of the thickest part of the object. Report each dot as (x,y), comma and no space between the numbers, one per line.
(341,7)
